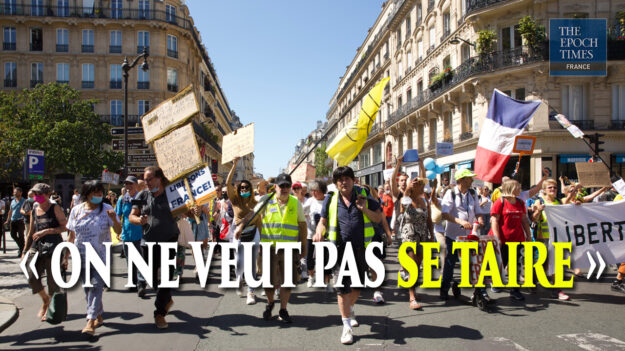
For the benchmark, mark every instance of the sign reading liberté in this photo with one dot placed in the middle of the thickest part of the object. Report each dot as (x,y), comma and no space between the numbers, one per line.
(202,187)
(578,47)
(238,143)
(169,114)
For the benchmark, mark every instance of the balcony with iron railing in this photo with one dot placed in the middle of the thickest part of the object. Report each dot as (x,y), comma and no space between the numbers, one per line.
(115,49)
(617,125)
(585,124)
(143,85)
(62,81)
(173,88)
(10,83)
(8,46)
(475,5)
(62,48)
(466,136)
(86,48)
(34,82)
(140,49)
(87,84)
(115,84)
(469,68)
(36,46)
(172,53)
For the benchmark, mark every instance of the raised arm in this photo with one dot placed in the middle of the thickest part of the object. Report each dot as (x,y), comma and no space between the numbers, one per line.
(232,193)
(394,186)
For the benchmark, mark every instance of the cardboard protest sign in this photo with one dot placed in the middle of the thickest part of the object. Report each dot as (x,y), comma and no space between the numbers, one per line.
(388,173)
(110,177)
(564,122)
(202,188)
(177,153)
(524,144)
(444,149)
(238,143)
(593,174)
(619,185)
(169,114)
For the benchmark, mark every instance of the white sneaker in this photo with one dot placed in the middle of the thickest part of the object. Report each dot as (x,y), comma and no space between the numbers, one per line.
(347,337)
(562,296)
(251,298)
(353,322)
(377,297)
(262,293)
(404,275)
(311,281)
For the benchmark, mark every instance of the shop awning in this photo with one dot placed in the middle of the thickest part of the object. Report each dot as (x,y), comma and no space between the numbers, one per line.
(572,158)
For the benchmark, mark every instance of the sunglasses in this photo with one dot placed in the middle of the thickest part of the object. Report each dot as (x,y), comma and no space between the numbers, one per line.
(244,187)
(284,186)
(296,188)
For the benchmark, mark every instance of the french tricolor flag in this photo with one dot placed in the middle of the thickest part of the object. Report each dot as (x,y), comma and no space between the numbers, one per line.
(506,119)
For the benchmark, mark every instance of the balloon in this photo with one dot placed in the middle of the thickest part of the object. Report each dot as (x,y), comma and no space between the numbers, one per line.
(430,175)
(439,169)
(429,164)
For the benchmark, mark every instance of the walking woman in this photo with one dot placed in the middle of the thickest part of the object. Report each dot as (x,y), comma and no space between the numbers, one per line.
(509,223)
(89,223)
(47,222)
(415,225)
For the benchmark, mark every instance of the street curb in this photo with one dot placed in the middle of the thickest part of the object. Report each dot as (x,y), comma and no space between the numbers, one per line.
(8,313)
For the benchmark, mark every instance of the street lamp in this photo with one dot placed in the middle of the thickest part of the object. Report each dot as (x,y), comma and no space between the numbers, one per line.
(457,40)
(127,67)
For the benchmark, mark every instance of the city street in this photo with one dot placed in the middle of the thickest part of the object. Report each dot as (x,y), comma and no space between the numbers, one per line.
(217,319)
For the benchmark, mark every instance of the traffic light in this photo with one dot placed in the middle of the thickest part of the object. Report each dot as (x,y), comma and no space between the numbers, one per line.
(214,167)
(596,140)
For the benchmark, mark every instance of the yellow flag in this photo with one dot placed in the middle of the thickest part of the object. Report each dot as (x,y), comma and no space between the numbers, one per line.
(349,141)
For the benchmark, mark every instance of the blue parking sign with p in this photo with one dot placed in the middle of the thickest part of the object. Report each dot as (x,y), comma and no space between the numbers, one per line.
(35,162)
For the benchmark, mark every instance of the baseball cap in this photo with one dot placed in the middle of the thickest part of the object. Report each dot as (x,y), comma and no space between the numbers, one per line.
(284,179)
(131,179)
(41,188)
(297,185)
(464,173)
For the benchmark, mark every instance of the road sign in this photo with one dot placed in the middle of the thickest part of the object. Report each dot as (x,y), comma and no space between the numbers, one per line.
(135,144)
(35,177)
(133,130)
(35,161)
(215,177)
(136,170)
(142,158)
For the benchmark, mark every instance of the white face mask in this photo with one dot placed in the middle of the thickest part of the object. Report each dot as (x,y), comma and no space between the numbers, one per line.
(387,191)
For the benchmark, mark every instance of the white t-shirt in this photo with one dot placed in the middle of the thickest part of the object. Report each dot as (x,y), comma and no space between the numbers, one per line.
(76,199)
(91,227)
(465,207)
(312,209)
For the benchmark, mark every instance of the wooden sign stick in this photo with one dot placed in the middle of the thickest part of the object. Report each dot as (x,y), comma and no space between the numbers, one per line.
(191,199)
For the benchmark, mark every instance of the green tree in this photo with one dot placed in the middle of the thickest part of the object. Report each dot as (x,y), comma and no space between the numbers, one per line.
(53,118)
(321,169)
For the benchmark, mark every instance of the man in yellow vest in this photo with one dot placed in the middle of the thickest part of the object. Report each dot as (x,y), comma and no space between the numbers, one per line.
(283,221)
(347,216)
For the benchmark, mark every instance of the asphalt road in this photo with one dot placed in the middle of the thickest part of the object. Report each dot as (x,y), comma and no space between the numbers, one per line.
(217,319)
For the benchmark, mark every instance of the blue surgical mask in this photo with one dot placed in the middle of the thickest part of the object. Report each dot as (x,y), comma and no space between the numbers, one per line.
(96,200)
(245,195)
(154,190)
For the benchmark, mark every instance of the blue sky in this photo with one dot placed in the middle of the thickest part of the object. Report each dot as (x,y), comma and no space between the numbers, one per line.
(279,63)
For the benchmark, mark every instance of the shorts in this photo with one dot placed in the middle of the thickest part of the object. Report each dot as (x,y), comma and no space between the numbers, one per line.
(277,265)
(361,268)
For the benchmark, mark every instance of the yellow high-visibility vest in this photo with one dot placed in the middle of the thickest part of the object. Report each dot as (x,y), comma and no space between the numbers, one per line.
(278,227)
(333,220)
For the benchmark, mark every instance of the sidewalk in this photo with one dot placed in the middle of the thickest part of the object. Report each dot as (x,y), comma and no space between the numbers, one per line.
(12,283)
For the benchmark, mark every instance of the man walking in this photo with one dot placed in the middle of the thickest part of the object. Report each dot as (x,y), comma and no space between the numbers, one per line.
(283,221)
(347,215)
(15,220)
(131,233)
(159,226)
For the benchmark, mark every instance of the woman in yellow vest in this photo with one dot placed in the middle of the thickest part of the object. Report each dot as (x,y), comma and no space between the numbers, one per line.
(549,197)
(347,215)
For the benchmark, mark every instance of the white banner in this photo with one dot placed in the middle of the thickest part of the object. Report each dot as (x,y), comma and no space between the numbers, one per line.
(593,227)
(202,186)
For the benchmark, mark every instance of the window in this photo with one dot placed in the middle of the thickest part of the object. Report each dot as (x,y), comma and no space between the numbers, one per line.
(399,37)
(408,26)
(447,61)
(116,113)
(36,39)
(62,73)
(408,95)
(9,7)
(574,101)
(465,52)
(432,33)
(446,24)
(36,7)
(172,80)
(144,9)
(400,70)
(399,102)
(10,75)
(62,8)
(419,50)
(409,61)
(87,75)
(420,137)
(115,45)
(467,117)
(170,12)
(62,40)
(116,8)
(116,76)
(87,40)
(143,106)
(364,159)
(419,14)
(143,79)
(433,133)
(87,7)
(618,102)
(36,74)
(420,86)
(172,46)
(143,42)
(377,153)
(510,38)
(9,40)
(448,126)
(519,94)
